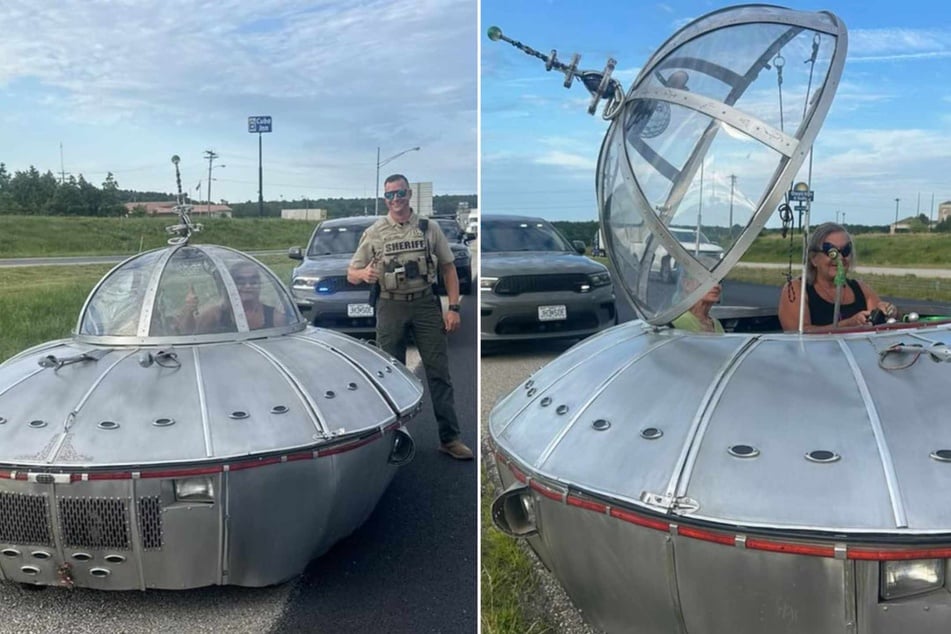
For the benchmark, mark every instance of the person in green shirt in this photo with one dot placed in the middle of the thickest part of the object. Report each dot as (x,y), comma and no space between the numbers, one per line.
(698,317)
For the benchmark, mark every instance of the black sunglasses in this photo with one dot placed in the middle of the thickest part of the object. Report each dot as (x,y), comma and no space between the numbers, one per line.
(396,193)
(246,280)
(845,251)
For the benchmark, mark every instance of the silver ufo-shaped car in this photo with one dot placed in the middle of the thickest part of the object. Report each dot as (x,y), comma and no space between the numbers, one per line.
(743,482)
(194,431)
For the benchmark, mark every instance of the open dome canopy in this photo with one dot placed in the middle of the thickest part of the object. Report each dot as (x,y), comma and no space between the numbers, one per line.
(708,140)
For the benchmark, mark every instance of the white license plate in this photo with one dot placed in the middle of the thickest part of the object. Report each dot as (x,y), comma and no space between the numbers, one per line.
(552,313)
(359,310)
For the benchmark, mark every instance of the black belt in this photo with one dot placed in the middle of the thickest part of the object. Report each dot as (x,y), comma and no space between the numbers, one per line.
(406,297)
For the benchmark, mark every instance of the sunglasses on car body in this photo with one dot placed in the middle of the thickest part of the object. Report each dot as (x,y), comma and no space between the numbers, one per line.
(396,193)
(845,251)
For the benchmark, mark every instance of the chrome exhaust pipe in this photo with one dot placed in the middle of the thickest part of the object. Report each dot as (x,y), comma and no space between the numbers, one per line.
(403,448)
(513,512)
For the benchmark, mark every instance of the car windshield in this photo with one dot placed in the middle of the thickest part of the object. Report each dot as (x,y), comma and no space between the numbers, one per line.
(450,229)
(521,235)
(688,235)
(340,239)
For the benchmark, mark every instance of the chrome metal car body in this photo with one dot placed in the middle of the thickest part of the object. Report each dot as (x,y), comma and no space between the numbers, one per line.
(743,482)
(194,431)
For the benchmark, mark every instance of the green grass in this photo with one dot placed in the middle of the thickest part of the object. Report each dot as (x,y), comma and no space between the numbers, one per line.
(872,249)
(40,303)
(31,236)
(507,578)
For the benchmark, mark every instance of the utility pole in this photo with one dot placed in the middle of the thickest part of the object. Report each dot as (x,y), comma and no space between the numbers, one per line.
(211,156)
(379,164)
(895,228)
(732,185)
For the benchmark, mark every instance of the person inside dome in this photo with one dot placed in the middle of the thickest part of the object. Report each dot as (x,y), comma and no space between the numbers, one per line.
(697,318)
(219,317)
(831,247)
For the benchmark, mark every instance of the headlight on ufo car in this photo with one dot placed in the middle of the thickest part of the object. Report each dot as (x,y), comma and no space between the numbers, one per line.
(487,283)
(200,490)
(907,578)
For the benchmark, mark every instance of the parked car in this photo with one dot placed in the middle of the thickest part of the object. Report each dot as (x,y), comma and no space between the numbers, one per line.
(319,285)
(473,226)
(459,243)
(693,240)
(535,284)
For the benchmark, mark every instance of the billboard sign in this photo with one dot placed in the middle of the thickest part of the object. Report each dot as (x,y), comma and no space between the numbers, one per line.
(259,124)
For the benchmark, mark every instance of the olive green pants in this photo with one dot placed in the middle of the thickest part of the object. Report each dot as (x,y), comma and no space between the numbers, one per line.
(422,317)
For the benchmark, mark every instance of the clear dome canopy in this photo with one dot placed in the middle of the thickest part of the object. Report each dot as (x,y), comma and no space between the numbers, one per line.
(710,136)
(187,292)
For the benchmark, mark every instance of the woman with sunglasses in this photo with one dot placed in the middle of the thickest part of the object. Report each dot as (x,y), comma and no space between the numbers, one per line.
(829,245)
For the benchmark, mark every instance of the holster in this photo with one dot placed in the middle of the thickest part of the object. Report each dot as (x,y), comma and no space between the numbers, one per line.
(374,294)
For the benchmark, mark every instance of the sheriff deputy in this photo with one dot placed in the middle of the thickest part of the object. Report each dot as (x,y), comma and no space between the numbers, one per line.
(403,254)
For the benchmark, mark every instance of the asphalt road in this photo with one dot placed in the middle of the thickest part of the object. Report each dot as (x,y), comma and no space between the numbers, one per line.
(411,568)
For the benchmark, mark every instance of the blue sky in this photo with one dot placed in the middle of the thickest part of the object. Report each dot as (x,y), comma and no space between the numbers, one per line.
(887,136)
(125,85)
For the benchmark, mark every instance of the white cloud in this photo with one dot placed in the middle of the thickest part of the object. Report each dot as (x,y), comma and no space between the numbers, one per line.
(339,78)
(874,45)
(564,159)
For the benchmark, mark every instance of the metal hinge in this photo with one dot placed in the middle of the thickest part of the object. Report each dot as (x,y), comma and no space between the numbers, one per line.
(681,504)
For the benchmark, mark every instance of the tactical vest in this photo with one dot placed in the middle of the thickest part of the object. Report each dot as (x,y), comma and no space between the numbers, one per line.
(405,257)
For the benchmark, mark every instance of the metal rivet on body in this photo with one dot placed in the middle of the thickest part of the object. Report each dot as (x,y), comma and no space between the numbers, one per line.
(822,455)
(941,455)
(743,451)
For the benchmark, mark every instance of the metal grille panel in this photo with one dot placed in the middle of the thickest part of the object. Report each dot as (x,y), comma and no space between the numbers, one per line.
(518,284)
(150,522)
(25,519)
(94,522)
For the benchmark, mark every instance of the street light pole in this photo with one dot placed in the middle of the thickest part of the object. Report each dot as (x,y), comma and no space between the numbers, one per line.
(211,156)
(379,164)
(895,228)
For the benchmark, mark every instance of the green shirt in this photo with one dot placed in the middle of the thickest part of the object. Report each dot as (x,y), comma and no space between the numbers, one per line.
(689,321)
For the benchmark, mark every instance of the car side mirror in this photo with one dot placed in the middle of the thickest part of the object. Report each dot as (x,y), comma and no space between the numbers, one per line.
(579,246)
(294,253)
